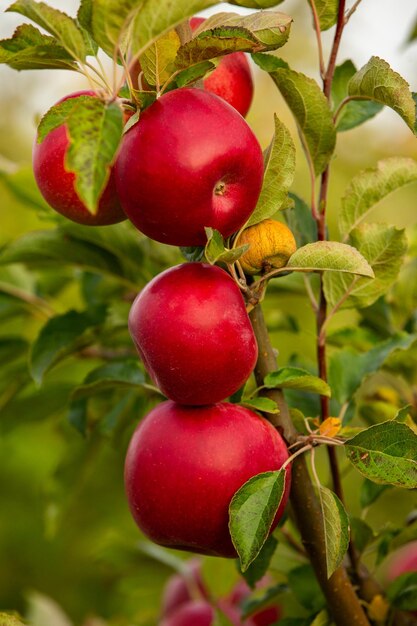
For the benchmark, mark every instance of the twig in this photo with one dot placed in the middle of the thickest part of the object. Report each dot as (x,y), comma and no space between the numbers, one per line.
(318,36)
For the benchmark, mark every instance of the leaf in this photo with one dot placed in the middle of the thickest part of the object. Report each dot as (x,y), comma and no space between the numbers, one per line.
(355,112)
(370,492)
(60,336)
(256,4)
(269,62)
(110,22)
(95,130)
(157,62)
(349,368)
(413,33)
(303,583)
(330,427)
(377,81)
(252,511)
(266,405)
(336,529)
(215,250)
(85,21)
(362,533)
(330,255)
(312,114)
(384,248)
(402,592)
(322,619)
(259,567)
(193,73)
(372,185)
(300,221)
(327,11)
(55,22)
(224,33)
(386,454)
(296,378)
(279,170)
(124,374)
(29,49)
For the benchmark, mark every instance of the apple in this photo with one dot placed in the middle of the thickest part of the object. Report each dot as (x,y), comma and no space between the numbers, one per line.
(177,589)
(185,463)
(402,561)
(232,78)
(192,331)
(191,161)
(56,183)
(194,613)
(264,617)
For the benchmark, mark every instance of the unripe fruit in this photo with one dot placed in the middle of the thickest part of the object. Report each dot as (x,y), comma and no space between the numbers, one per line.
(192,331)
(271,245)
(184,464)
(194,613)
(191,161)
(232,78)
(56,183)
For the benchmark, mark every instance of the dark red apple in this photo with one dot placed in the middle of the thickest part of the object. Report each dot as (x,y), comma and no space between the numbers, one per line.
(56,183)
(184,464)
(192,331)
(265,617)
(191,161)
(232,78)
(180,587)
(194,613)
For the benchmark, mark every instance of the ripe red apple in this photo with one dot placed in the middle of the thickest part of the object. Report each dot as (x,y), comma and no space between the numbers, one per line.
(192,331)
(184,464)
(191,161)
(56,183)
(232,78)
(194,613)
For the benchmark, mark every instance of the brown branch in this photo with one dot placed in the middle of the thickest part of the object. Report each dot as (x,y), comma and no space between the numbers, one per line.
(343,603)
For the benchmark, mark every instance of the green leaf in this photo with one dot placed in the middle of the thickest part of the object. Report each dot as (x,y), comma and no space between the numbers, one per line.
(348,368)
(110,22)
(265,405)
(327,11)
(355,112)
(156,18)
(50,247)
(256,4)
(158,61)
(58,115)
(330,255)
(322,619)
(296,378)
(259,567)
(192,253)
(12,348)
(279,173)
(370,492)
(85,21)
(193,73)
(372,185)
(300,221)
(384,248)
(63,335)
(252,511)
(402,592)
(124,374)
(413,33)
(385,453)
(303,583)
(269,62)
(95,130)
(336,529)
(29,49)
(55,22)
(215,250)
(312,114)
(362,533)
(224,33)
(377,81)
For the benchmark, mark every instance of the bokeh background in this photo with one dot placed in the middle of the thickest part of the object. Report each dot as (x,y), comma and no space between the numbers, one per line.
(69,551)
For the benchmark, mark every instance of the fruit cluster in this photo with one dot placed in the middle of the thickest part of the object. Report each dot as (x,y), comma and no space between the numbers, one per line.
(190,162)
(186,601)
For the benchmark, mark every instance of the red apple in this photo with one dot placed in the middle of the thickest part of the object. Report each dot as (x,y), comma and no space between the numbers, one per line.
(232,78)
(192,331)
(402,561)
(265,617)
(191,161)
(194,613)
(178,589)
(184,464)
(56,183)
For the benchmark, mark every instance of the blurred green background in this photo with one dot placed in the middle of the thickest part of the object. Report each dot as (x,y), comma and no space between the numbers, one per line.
(69,551)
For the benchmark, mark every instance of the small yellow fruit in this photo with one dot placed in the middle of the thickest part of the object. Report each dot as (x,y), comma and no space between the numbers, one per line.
(271,245)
